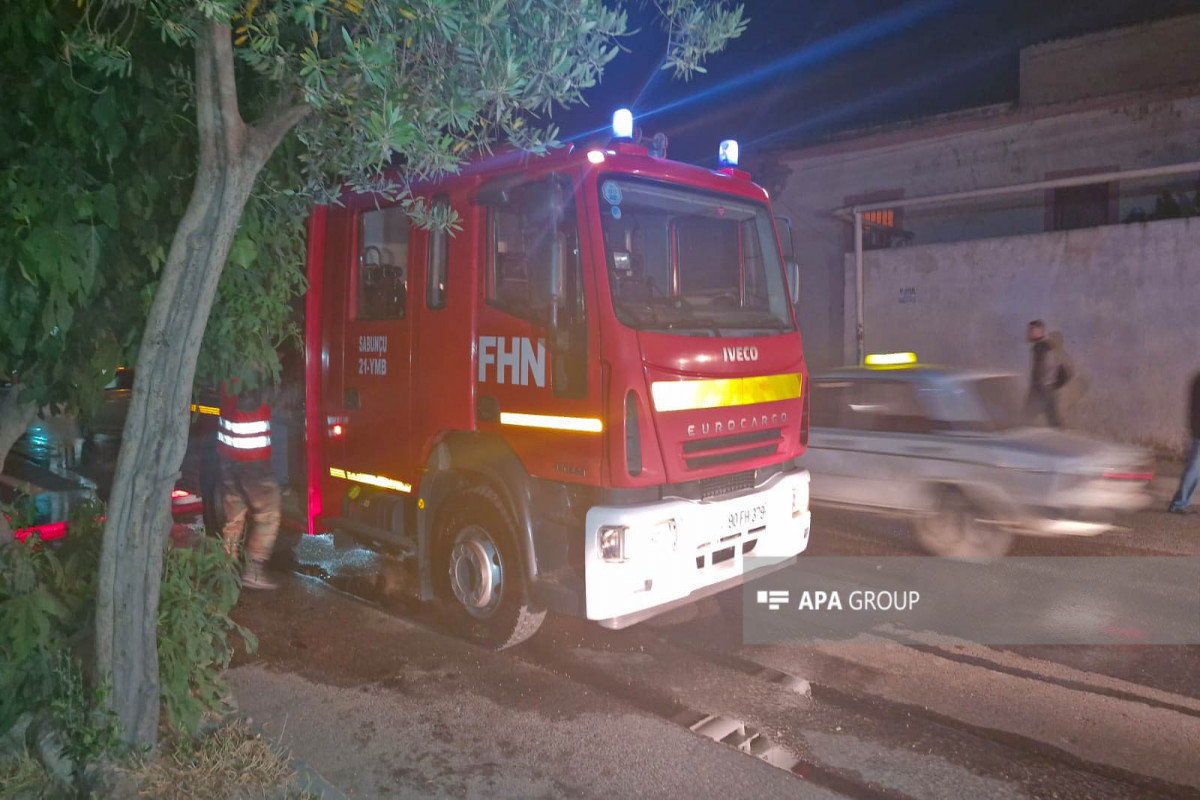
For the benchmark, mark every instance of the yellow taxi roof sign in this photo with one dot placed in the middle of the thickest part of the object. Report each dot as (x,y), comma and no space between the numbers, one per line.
(890,359)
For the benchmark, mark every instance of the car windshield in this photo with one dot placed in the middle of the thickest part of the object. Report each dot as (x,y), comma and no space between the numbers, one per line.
(981,404)
(691,262)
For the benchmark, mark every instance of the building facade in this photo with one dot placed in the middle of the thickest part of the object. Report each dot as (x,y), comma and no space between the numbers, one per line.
(1109,265)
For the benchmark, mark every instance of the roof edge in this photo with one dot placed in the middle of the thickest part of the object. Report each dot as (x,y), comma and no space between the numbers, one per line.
(979,117)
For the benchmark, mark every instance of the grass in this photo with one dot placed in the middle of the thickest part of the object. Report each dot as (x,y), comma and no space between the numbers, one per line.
(230,762)
(22,778)
(227,763)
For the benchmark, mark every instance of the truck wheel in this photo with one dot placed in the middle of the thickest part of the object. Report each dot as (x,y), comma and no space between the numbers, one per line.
(954,530)
(488,596)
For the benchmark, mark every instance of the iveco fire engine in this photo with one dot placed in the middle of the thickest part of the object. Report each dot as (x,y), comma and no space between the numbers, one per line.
(588,398)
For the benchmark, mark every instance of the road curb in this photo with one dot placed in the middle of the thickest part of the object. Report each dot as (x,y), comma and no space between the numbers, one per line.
(307,779)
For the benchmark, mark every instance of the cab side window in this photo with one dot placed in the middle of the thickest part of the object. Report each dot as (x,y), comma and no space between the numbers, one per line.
(524,232)
(382,280)
(532,229)
(511,287)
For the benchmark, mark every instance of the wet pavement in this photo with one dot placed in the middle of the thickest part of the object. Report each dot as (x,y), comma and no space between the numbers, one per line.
(371,693)
(362,682)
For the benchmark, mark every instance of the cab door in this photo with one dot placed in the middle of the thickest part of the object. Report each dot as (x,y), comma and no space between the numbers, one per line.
(377,349)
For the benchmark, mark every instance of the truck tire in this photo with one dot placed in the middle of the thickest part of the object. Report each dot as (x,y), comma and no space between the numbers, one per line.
(486,588)
(954,530)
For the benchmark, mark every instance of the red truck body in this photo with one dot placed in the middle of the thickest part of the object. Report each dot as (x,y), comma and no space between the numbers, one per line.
(604,353)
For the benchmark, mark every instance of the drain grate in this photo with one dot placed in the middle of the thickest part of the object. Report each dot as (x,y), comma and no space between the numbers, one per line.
(739,735)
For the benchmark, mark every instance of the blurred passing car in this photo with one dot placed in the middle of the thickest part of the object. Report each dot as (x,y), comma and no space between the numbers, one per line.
(947,447)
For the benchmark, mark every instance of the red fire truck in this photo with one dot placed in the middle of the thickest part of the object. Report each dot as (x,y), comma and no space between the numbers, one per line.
(590,398)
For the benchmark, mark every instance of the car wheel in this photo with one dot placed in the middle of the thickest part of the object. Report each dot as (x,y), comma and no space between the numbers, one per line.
(954,530)
(489,600)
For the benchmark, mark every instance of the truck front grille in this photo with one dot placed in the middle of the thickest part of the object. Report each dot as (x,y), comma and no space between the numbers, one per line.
(726,484)
(732,448)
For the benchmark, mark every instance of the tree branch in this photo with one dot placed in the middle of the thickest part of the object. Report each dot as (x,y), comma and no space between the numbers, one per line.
(269,131)
(226,82)
(208,122)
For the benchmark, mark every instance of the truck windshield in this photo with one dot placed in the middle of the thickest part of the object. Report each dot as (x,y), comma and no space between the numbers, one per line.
(691,262)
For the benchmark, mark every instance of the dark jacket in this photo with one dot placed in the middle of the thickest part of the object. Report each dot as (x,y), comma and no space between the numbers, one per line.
(1194,407)
(1044,371)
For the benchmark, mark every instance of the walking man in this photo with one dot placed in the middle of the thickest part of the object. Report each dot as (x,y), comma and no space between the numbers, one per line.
(1047,376)
(1191,470)
(250,496)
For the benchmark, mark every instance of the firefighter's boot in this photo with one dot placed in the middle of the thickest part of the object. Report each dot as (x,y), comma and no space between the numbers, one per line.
(254,576)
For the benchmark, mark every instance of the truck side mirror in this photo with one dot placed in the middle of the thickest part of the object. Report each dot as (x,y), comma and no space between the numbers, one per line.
(787,244)
(793,279)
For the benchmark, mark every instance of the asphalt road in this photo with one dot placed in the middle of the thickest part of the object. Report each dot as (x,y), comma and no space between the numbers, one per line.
(368,691)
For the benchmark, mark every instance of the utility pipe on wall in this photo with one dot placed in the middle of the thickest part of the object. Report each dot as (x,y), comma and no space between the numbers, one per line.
(858,284)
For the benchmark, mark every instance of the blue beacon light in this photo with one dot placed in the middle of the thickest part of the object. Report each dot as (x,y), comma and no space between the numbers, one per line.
(727,155)
(623,123)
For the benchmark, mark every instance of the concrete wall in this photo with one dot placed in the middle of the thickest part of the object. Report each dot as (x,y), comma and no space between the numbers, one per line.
(992,147)
(1125,299)
(1123,60)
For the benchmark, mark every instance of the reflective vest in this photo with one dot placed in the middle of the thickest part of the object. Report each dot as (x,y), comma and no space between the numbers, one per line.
(243,435)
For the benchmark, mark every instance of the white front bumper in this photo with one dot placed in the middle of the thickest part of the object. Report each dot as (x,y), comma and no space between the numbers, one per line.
(709,548)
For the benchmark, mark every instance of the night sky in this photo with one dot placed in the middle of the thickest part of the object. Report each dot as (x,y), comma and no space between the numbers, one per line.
(807,68)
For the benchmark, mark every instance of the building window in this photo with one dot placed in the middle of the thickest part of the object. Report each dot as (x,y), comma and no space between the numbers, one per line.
(1080,207)
(885,217)
(382,264)
(882,227)
(879,228)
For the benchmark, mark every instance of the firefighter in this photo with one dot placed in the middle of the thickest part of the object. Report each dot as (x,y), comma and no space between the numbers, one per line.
(250,496)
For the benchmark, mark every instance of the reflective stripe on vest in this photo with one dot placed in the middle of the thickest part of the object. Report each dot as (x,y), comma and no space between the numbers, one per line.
(244,442)
(246,428)
(243,435)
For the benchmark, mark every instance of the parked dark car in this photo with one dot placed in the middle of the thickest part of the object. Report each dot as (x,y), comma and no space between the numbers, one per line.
(61,460)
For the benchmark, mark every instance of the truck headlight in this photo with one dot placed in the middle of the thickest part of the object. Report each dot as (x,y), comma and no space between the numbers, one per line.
(612,543)
(621,543)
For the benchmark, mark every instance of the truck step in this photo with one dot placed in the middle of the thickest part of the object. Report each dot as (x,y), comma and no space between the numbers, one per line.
(370,534)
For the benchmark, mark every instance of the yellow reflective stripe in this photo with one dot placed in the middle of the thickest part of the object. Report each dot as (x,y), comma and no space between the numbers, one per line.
(211,411)
(724,392)
(370,480)
(580,424)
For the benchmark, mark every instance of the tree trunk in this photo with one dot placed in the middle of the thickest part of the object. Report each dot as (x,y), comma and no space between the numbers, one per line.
(155,438)
(15,415)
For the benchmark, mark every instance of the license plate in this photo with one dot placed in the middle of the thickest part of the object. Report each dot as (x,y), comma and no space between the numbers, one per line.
(746,517)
